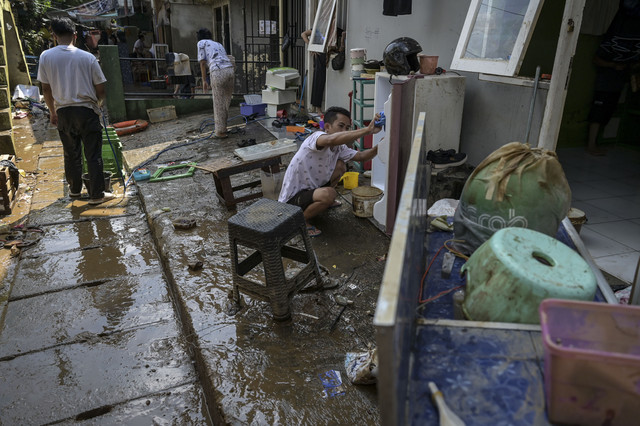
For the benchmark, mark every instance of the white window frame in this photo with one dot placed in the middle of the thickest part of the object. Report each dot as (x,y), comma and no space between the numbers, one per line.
(324,6)
(508,67)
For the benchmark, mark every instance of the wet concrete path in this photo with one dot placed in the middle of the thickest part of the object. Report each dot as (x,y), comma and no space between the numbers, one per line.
(89,331)
(103,317)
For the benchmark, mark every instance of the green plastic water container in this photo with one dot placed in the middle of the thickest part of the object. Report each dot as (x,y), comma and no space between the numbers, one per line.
(510,274)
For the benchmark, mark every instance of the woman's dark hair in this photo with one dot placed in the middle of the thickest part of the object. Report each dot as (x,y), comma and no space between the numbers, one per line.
(63,26)
(331,114)
(204,34)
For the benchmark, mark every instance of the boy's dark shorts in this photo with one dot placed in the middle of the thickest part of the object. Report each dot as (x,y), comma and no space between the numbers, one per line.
(304,198)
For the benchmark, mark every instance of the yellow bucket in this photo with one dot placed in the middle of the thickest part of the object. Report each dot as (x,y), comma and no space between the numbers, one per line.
(350,180)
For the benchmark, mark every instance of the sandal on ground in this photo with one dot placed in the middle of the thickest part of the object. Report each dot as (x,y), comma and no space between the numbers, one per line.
(335,204)
(326,284)
(312,231)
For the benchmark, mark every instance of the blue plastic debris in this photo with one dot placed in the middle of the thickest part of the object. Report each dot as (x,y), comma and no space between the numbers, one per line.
(382,121)
(332,383)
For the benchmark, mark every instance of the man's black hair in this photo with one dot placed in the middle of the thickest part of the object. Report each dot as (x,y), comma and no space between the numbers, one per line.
(331,114)
(141,36)
(204,34)
(63,26)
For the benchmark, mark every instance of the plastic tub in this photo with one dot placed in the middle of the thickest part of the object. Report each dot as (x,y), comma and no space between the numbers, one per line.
(249,109)
(512,272)
(591,362)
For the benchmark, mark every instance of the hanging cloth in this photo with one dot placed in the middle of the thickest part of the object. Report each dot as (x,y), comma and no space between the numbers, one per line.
(396,7)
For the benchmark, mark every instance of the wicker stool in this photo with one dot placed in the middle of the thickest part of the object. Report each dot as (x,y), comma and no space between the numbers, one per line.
(266,227)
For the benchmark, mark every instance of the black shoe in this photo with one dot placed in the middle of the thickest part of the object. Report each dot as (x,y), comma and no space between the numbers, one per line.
(446,158)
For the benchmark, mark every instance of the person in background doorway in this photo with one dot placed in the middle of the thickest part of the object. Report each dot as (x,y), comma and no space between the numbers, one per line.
(211,54)
(617,54)
(123,52)
(317,167)
(138,47)
(73,87)
(319,75)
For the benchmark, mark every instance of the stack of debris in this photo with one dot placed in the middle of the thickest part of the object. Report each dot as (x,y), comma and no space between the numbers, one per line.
(282,85)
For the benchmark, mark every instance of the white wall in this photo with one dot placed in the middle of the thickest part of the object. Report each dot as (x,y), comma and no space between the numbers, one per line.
(494,113)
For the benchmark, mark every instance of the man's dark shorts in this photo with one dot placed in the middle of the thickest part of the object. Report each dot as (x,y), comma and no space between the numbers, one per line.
(603,106)
(608,86)
(304,198)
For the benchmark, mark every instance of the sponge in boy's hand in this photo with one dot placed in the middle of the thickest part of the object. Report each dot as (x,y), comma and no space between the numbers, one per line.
(381,122)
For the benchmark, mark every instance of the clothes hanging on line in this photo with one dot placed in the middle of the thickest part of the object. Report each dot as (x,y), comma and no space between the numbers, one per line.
(396,7)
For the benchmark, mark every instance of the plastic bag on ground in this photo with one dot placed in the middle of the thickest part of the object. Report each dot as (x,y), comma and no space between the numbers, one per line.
(23,91)
(362,367)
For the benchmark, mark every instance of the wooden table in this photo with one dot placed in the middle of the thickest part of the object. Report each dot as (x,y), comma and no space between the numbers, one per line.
(222,178)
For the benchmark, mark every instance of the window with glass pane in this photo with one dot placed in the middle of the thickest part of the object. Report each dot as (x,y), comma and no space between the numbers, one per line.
(495,35)
(320,31)
(496,29)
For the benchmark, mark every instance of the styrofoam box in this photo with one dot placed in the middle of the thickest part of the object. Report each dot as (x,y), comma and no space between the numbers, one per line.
(278,96)
(282,78)
(164,113)
(591,362)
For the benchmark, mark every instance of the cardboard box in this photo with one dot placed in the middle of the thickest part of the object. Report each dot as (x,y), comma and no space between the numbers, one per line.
(166,113)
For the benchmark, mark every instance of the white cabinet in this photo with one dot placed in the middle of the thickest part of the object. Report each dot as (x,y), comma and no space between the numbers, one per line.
(402,98)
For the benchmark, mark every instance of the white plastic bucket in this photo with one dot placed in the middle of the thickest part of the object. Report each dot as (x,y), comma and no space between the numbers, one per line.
(363,198)
(358,53)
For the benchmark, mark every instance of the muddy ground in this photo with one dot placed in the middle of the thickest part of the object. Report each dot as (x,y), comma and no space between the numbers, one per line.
(247,368)
(259,369)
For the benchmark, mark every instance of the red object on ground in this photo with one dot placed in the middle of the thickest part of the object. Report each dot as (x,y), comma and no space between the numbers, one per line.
(129,127)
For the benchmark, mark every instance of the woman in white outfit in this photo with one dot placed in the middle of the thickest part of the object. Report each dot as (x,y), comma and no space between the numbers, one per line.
(213,55)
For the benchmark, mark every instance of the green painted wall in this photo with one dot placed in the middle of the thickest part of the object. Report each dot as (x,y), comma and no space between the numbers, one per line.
(110,63)
(574,128)
(138,108)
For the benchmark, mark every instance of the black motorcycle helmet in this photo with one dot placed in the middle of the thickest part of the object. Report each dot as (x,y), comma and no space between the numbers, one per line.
(401,56)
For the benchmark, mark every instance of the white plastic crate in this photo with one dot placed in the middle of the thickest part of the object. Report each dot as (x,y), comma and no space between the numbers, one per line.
(278,97)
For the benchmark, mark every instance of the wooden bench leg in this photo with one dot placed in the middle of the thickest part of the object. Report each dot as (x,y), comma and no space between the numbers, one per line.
(225,191)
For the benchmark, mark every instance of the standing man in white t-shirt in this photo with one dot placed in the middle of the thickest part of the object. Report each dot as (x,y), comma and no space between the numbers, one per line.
(73,87)
(317,167)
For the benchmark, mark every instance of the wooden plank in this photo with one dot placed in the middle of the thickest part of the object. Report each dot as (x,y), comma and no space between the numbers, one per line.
(569,33)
